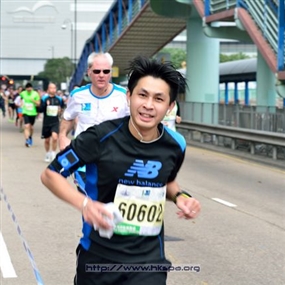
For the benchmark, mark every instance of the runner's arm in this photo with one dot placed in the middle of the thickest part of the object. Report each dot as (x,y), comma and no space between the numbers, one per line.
(92,211)
(65,127)
(61,188)
(188,207)
(171,190)
(37,101)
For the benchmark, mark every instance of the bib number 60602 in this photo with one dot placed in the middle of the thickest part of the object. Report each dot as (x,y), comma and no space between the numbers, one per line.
(141,213)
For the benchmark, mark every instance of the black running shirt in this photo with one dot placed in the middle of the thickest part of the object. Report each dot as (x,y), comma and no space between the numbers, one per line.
(50,106)
(133,175)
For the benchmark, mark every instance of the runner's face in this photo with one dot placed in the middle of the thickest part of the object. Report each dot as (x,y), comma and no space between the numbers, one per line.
(100,80)
(149,102)
(52,89)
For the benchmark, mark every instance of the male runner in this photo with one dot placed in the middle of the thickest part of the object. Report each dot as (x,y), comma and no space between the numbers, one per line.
(31,100)
(132,162)
(92,104)
(51,106)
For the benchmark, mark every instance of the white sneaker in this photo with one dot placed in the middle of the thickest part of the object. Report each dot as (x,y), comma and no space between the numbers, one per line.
(52,155)
(47,157)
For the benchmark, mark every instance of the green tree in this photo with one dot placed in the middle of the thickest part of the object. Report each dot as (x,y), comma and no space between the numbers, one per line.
(177,56)
(232,57)
(57,70)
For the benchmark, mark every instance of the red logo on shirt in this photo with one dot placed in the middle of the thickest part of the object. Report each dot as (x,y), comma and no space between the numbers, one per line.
(115,109)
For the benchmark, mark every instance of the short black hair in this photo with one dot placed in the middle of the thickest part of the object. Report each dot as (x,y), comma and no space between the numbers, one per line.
(29,85)
(142,66)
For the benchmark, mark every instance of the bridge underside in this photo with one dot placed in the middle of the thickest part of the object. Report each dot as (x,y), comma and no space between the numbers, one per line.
(146,35)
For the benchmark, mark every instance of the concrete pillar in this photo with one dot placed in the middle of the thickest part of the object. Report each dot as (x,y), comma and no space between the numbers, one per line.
(202,72)
(265,86)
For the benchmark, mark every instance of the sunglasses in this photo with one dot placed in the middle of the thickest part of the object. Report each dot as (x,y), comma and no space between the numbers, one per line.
(98,71)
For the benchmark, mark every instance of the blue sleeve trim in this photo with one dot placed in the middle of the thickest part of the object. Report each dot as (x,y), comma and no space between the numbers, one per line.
(50,167)
(59,98)
(85,241)
(82,169)
(177,137)
(44,98)
(120,88)
(74,91)
(79,181)
(160,246)
(109,134)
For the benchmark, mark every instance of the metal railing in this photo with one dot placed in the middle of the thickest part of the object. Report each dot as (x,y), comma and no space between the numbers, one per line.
(118,18)
(270,119)
(269,16)
(265,16)
(251,140)
(261,118)
(221,5)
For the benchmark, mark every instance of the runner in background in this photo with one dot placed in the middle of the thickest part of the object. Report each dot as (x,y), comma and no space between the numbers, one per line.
(18,108)
(11,104)
(19,120)
(93,103)
(2,102)
(31,100)
(172,117)
(51,107)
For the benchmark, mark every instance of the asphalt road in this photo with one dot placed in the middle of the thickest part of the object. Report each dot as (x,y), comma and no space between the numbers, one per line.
(241,243)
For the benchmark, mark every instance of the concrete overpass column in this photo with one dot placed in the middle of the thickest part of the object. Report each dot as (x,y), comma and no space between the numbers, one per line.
(202,73)
(265,86)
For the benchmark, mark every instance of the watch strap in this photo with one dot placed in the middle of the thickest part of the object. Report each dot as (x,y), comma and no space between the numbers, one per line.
(182,193)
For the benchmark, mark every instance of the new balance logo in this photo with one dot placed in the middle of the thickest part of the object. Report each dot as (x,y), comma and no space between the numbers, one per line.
(150,170)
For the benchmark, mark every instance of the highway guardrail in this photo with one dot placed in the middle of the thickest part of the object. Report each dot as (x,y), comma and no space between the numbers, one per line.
(253,137)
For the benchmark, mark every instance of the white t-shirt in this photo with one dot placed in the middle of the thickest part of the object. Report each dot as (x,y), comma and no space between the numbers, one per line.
(93,110)
(18,101)
(170,119)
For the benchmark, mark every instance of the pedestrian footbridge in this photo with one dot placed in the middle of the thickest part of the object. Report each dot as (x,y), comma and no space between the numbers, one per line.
(133,27)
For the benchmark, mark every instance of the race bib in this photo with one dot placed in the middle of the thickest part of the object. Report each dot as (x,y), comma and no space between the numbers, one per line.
(142,209)
(52,111)
(29,106)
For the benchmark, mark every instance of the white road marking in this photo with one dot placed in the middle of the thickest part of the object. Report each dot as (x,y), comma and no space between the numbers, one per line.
(6,265)
(224,202)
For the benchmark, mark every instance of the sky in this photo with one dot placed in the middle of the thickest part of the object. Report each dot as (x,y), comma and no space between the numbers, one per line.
(31,31)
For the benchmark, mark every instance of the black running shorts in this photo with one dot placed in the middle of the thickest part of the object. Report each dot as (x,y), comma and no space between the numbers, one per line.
(89,266)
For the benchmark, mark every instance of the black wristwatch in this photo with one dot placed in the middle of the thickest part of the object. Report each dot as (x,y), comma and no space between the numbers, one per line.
(183,193)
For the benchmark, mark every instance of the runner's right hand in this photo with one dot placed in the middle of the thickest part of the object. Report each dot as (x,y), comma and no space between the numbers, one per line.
(63,142)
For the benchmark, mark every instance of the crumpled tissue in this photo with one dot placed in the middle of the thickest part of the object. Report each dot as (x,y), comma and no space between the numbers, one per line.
(117,218)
